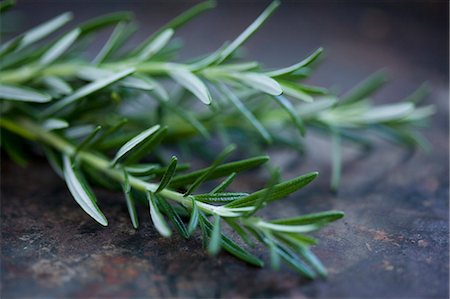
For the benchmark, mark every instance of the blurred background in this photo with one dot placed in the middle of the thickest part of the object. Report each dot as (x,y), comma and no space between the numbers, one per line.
(371,254)
(368,34)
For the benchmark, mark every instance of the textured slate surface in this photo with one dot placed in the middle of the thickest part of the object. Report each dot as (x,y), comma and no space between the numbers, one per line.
(393,242)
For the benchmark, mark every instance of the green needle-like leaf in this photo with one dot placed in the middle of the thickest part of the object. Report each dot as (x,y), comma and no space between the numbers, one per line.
(219,197)
(222,186)
(295,239)
(278,191)
(289,108)
(247,33)
(259,82)
(81,192)
(157,218)
(336,160)
(111,44)
(186,116)
(215,239)
(322,217)
(179,21)
(132,81)
(57,85)
(59,47)
(168,175)
(240,230)
(86,142)
(54,124)
(45,29)
(231,247)
(193,221)
(317,90)
(24,94)
(10,46)
(365,88)
(159,42)
(274,252)
(191,82)
(109,131)
(220,171)
(146,147)
(105,20)
(290,258)
(171,213)
(130,201)
(291,69)
(87,90)
(291,228)
(126,149)
(296,91)
(141,169)
(246,113)
(312,260)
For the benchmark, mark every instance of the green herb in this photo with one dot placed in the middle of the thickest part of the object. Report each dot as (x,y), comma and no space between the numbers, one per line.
(83,111)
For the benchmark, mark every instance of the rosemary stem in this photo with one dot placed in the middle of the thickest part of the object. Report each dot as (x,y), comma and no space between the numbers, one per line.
(104,165)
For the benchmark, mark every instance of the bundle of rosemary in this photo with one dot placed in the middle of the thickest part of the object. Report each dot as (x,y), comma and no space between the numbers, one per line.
(104,120)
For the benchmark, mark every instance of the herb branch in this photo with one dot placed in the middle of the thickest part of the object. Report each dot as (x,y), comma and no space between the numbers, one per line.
(80,109)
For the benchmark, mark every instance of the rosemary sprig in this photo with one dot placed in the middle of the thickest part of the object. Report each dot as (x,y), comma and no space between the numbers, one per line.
(79,110)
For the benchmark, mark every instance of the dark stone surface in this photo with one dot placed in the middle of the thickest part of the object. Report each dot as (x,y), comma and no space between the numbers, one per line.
(393,242)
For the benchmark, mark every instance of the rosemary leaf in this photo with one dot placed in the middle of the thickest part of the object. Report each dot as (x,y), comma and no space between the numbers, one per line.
(130,201)
(192,83)
(312,260)
(54,124)
(168,175)
(193,221)
(24,94)
(290,109)
(220,171)
(231,247)
(125,150)
(295,91)
(85,143)
(86,90)
(278,191)
(365,88)
(222,186)
(81,192)
(45,29)
(246,113)
(105,20)
(57,84)
(214,241)
(156,44)
(336,160)
(111,44)
(247,33)
(172,214)
(293,68)
(219,197)
(179,21)
(157,218)
(322,217)
(59,47)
